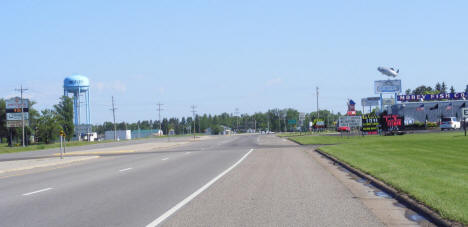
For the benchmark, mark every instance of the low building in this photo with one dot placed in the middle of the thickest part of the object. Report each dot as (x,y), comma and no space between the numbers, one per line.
(430,111)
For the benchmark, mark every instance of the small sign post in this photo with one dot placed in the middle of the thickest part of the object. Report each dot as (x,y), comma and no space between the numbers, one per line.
(464,116)
(62,147)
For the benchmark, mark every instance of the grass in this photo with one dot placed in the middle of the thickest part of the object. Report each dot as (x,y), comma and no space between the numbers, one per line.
(432,168)
(4,148)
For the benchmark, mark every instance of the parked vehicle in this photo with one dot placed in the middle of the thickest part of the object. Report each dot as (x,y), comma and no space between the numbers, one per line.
(447,123)
(343,129)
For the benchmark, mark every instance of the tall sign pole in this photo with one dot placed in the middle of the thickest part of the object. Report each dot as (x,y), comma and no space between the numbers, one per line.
(193,113)
(21,90)
(317,94)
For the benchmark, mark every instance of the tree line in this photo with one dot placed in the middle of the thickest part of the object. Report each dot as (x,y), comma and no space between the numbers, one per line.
(46,125)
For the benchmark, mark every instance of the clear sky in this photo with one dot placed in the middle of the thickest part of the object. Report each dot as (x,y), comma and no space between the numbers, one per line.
(220,55)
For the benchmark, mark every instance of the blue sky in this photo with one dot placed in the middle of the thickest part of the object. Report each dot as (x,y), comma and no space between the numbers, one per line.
(220,55)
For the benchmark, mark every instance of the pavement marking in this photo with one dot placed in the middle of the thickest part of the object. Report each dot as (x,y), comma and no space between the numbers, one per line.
(123,170)
(164,159)
(34,192)
(188,152)
(182,203)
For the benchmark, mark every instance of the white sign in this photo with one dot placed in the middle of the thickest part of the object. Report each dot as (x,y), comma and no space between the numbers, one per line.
(464,112)
(387,86)
(15,103)
(301,116)
(17,116)
(388,101)
(370,101)
(17,124)
(350,121)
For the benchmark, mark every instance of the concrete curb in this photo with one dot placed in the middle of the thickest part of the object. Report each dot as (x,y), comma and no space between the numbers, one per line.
(403,198)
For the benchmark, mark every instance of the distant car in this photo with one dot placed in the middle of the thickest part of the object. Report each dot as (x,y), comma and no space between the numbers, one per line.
(447,123)
(343,129)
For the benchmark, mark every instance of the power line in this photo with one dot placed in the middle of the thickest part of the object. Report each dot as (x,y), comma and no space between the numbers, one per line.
(237,124)
(113,114)
(193,113)
(159,114)
(22,90)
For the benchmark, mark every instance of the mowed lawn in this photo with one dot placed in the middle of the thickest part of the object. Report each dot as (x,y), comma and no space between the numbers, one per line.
(433,168)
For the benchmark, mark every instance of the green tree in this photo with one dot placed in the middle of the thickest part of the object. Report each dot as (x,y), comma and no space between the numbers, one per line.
(64,112)
(48,127)
(443,88)
(452,90)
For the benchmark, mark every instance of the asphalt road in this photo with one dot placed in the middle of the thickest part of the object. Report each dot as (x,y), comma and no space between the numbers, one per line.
(276,184)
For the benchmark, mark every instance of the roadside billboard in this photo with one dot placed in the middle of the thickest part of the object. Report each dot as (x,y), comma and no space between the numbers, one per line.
(392,122)
(14,109)
(387,86)
(441,96)
(350,121)
(370,123)
(388,101)
(370,101)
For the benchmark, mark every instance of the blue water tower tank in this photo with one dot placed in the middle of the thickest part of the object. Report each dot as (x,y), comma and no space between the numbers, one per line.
(76,83)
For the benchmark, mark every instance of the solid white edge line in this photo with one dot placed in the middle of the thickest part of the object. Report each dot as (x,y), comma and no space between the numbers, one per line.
(34,192)
(195,194)
(122,170)
(164,159)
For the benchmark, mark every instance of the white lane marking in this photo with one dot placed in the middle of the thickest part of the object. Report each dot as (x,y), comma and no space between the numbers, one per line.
(195,194)
(123,170)
(164,159)
(34,192)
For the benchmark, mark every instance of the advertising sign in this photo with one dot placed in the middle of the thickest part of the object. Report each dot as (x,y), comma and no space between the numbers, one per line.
(17,116)
(370,101)
(450,96)
(388,101)
(370,123)
(14,109)
(350,121)
(17,124)
(16,103)
(465,113)
(387,86)
(392,122)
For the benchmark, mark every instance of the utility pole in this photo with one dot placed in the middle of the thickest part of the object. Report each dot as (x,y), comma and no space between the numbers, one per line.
(113,114)
(193,114)
(159,114)
(21,90)
(237,115)
(317,92)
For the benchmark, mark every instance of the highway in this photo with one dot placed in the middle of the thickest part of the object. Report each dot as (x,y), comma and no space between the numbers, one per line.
(248,180)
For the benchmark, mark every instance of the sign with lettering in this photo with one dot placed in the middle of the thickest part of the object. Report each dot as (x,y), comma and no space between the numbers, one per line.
(14,109)
(387,86)
(450,96)
(351,121)
(370,101)
(392,122)
(465,112)
(370,123)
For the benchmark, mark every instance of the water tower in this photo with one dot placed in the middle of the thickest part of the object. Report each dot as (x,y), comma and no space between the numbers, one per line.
(78,86)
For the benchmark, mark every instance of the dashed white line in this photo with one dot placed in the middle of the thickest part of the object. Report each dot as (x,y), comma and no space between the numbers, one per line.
(123,170)
(195,194)
(34,192)
(164,159)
